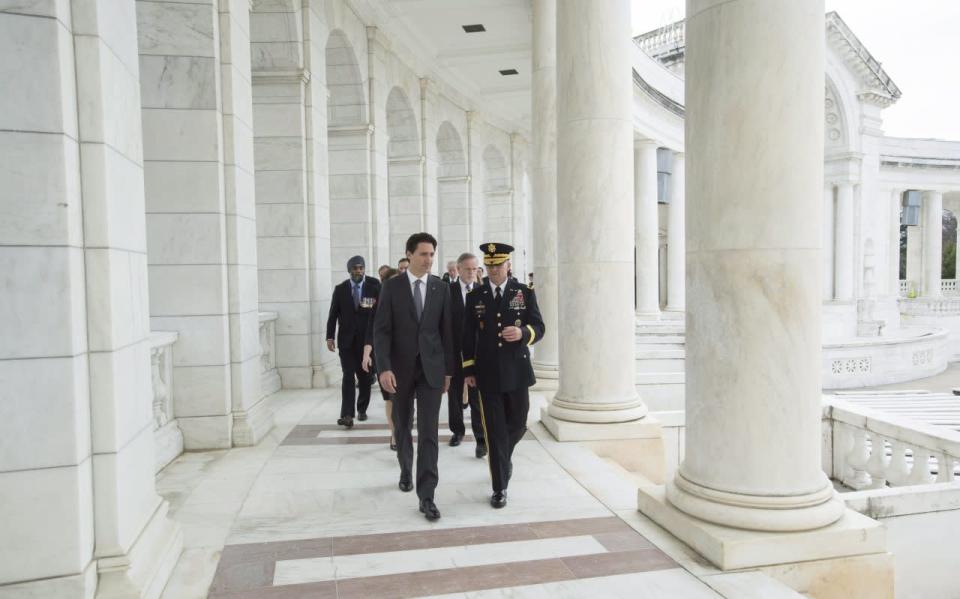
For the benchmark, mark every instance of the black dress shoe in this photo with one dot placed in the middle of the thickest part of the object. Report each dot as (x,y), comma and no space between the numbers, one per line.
(480,451)
(455,440)
(362,416)
(406,486)
(347,422)
(429,509)
(499,499)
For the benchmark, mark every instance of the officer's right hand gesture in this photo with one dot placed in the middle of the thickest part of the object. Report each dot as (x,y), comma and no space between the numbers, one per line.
(470,381)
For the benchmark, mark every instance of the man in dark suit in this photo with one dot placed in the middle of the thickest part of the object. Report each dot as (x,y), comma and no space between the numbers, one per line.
(467,269)
(413,342)
(502,322)
(352,306)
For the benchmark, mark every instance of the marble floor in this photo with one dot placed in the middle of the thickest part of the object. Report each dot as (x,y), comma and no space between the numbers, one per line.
(314,511)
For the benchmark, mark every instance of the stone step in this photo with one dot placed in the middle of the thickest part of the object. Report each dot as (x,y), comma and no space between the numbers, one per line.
(660,338)
(660,378)
(660,365)
(659,327)
(661,353)
(644,349)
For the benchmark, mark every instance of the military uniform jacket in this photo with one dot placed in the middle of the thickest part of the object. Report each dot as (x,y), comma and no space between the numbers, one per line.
(500,366)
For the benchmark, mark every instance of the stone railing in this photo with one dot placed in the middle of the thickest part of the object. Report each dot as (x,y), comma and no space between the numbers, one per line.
(668,36)
(948,286)
(269,377)
(930,306)
(873,449)
(168,439)
(904,288)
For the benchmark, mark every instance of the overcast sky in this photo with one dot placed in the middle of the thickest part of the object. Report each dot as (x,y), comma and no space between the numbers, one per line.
(917,41)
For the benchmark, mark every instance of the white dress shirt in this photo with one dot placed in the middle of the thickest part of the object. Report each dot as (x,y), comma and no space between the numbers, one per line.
(464,291)
(423,288)
(502,286)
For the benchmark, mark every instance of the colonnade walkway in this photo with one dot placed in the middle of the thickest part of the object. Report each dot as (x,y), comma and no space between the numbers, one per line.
(314,511)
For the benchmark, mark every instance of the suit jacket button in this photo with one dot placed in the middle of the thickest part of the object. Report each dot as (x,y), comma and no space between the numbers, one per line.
(499,345)
(498,315)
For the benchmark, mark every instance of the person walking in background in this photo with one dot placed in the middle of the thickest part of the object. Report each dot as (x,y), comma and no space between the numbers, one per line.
(451,275)
(402,265)
(467,266)
(368,364)
(413,346)
(351,306)
(502,322)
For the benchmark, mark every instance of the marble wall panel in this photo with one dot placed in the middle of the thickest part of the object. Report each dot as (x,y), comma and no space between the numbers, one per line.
(41,199)
(282,253)
(35,326)
(49,394)
(50,503)
(181,135)
(275,26)
(281,220)
(279,186)
(205,432)
(284,286)
(175,186)
(276,55)
(201,391)
(293,350)
(187,290)
(283,120)
(349,186)
(178,82)
(175,28)
(245,337)
(185,238)
(123,373)
(116,299)
(243,291)
(125,496)
(113,23)
(40,68)
(349,210)
(113,203)
(278,153)
(294,316)
(203,340)
(241,228)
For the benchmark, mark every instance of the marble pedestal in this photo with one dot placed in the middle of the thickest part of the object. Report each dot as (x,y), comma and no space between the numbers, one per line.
(732,548)
(250,426)
(563,430)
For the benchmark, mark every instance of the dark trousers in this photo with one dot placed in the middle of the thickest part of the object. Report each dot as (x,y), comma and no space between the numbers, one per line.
(428,422)
(504,416)
(354,378)
(455,409)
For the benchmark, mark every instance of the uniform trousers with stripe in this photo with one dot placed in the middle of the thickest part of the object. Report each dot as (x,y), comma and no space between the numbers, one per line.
(504,416)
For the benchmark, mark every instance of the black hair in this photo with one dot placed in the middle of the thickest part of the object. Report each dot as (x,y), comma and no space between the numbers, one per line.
(417,238)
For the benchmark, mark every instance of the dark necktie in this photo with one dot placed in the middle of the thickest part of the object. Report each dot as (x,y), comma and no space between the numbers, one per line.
(497,295)
(418,298)
(356,296)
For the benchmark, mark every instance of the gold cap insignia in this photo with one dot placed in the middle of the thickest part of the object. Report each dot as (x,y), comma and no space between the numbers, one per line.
(492,248)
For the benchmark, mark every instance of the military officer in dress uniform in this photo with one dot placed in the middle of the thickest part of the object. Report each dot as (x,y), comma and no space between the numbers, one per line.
(502,321)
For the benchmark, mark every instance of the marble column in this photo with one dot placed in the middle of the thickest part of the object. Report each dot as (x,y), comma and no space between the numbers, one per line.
(828,233)
(80,512)
(676,237)
(932,243)
(544,184)
(752,456)
(843,243)
(646,230)
(595,214)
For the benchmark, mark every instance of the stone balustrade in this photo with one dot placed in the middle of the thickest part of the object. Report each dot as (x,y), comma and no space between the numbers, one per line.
(949,286)
(873,449)
(930,306)
(270,378)
(672,35)
(168,439)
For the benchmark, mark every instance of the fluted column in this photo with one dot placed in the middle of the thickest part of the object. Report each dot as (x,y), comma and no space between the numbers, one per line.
(676,237)
(932,243)
(544,185)
(752,456)
(843,252)
(646,230)
(595,214)
(828,232)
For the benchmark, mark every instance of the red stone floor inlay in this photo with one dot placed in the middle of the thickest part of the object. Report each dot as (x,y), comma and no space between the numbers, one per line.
(246,571)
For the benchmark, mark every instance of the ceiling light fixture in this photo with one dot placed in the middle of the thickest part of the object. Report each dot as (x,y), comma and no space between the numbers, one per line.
(506,72)
(474,28)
